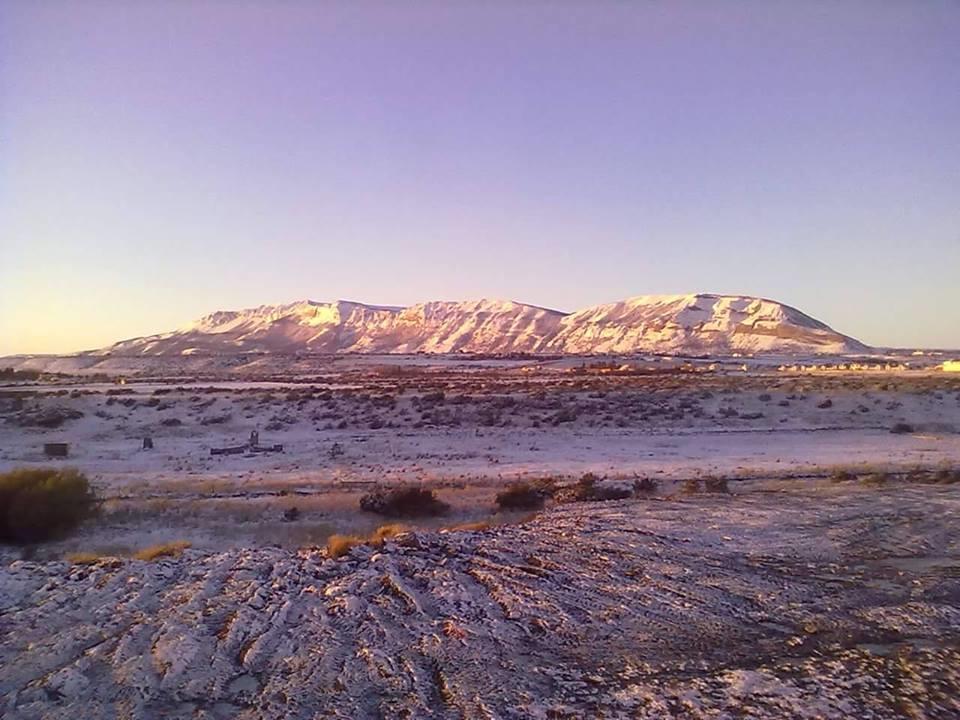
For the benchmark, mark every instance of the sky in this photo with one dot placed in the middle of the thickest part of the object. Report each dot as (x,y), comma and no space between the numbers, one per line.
(162,160)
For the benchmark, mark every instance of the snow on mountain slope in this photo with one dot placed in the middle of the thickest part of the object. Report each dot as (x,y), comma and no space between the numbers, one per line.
(647,323)
(695,323)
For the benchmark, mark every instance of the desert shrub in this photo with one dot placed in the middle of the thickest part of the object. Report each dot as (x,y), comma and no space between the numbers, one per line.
(404,502)
(920,476)
(691,486)
(902,428)
(521,496)
(52,417)
(83,558)
(642,486)
(588,489)
(946,476)
(875,479)
(828,403)
(839,476)
(716,485)
(38,504)
(171,549)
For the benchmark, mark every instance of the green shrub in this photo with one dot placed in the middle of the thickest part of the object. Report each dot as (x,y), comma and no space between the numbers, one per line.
(38,504)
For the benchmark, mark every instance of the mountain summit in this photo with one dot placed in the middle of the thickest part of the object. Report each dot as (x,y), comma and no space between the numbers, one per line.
(695,323)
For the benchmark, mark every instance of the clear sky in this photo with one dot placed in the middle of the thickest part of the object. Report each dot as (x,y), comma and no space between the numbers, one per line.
(161,160)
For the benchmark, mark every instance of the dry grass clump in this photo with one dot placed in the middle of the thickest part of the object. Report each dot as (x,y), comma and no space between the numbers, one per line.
(340,545)
(385,532)
(901,428)
(38,504)
(170,549)
(83,558)
(478,526)
(404,502)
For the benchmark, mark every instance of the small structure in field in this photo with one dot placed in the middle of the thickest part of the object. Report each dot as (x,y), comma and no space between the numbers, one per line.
(232,450)
(951,366)
(253,446)
(56,449)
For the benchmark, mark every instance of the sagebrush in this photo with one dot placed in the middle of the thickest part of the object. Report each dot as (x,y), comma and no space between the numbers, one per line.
(39,504)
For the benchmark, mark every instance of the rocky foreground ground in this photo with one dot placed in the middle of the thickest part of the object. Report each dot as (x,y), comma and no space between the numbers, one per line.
(807,603)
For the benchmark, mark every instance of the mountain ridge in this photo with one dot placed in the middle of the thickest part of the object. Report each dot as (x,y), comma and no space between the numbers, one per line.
(683,323)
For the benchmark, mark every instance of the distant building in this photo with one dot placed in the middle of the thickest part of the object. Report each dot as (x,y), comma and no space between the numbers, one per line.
(56,449)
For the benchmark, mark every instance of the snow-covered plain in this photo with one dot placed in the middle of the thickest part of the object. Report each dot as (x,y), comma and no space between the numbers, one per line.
(793,596)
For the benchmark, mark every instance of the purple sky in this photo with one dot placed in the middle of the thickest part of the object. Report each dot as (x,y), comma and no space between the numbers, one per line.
(160,160)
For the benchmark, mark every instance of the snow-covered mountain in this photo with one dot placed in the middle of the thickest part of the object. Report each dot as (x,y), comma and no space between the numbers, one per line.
(696,323)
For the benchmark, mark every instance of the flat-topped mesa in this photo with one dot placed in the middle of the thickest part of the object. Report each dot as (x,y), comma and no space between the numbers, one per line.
(693,323)
(697,323)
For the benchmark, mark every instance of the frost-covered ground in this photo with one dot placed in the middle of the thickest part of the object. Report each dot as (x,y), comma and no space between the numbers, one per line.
(465,430)
(838,602)
(793,597)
